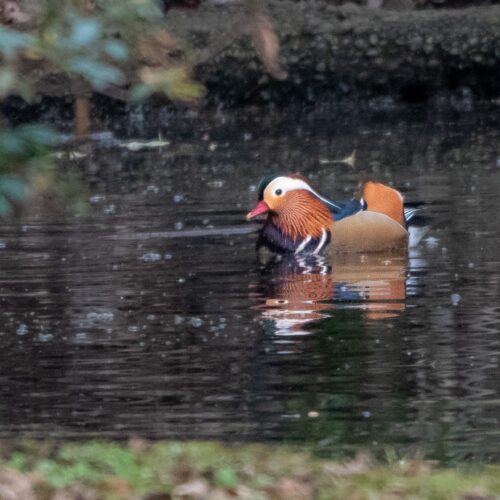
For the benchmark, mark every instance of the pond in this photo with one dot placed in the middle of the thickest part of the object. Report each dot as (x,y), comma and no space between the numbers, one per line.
(151,315)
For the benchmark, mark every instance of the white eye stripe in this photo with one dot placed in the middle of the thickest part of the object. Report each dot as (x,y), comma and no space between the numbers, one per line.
(287,184)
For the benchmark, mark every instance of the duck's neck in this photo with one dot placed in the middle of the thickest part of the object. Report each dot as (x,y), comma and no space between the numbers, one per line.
(302,216)
(303,224)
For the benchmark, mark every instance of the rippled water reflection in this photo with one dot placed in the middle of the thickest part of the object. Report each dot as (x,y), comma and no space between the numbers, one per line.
(110,326)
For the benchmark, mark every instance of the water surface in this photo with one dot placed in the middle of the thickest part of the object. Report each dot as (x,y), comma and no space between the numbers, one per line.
(112,327)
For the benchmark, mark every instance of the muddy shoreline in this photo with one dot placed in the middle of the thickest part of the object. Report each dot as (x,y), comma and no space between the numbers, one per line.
(353,52)
(341,56)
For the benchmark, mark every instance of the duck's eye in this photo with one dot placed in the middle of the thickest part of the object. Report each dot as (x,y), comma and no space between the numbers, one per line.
(278,192)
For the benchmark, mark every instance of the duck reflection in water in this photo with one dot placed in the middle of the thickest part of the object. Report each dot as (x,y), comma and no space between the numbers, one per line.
(299,290)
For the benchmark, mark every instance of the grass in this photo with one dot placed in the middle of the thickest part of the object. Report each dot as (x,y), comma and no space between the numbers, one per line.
(199,470)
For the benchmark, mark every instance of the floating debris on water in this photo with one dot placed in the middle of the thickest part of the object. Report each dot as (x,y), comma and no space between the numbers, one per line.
(69,155)
(81,337)
(22,329)
(151,257)
(196,322)
(348,160)
(216,183)
(104,316)
(109,209)
(139,145)
(97,198)
(45,337)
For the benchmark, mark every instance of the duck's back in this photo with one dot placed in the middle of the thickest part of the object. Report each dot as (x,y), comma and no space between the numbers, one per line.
(368,231)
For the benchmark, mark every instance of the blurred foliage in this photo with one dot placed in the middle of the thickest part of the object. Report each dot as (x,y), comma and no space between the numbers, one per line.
(28,169)
(123,49)
(212,470)
(175,82)
(90,40)
(97,44)
(24,155)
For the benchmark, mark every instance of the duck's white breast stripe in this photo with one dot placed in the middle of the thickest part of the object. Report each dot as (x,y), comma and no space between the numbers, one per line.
(322,242)
(303,245)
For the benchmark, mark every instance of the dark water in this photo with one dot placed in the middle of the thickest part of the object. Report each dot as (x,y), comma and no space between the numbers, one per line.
(108,331)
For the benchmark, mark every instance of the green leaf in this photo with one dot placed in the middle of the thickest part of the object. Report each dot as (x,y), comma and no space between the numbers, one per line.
(11,143)
(176,82)
(187,91)
(13,187)
(179,85)
(226,478)
(24,89)
(84,33)
(99,75)
(7,80)
(17,461)
(41,134)
(140,92)
(4,206)
(116,49)
(11,41)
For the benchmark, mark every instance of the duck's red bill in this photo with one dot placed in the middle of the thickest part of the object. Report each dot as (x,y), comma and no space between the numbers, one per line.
(261,208)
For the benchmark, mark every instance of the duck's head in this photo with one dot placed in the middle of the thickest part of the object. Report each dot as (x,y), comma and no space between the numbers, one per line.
(293,207)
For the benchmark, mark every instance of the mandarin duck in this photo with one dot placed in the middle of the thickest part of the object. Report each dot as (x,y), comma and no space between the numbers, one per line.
(301,221)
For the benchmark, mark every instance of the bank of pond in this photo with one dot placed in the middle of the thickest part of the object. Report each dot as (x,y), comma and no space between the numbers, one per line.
(213,470)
